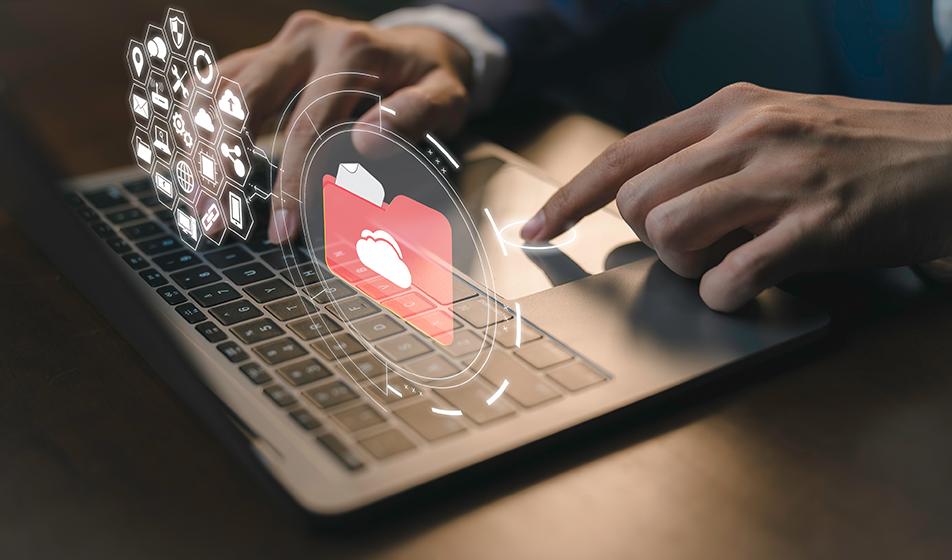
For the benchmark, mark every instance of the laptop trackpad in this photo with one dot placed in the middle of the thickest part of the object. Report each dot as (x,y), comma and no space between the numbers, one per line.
(641,319)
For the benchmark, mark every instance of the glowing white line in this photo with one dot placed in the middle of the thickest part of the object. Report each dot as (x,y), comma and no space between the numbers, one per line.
(446,412)
(498,393)
(548,247)
(394,391)
(518,326)
(386,109)
(502,242)
(442,149)
(312,124)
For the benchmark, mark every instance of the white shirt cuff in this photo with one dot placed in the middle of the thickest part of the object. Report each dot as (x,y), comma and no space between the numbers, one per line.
(486,49)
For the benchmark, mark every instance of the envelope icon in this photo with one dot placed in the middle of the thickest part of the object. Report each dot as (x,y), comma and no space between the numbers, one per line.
(140,106)
(394,253)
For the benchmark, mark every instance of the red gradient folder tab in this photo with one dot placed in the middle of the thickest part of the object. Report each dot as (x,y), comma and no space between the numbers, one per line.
(393,253)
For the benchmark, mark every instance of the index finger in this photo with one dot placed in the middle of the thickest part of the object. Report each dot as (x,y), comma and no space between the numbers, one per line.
(596,185)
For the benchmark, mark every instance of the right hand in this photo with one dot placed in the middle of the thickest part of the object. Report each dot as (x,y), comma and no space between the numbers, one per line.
(424,76)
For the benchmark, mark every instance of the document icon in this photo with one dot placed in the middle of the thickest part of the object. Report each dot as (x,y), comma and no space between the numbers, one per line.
(393,252)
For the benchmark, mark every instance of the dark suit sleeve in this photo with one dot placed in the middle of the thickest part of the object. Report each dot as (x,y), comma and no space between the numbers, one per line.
(553,40)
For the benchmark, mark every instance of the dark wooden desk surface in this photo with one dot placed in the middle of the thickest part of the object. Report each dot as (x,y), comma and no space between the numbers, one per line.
(842,450)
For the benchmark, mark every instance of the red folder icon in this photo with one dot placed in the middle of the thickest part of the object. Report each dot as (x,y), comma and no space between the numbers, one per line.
(399,254)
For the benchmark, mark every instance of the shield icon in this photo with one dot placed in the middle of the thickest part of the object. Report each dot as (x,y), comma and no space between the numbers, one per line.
(177,30)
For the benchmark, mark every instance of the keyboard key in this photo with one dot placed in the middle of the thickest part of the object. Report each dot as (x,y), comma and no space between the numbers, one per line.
(361,368)
(305,419)
(152,277)
(353,309)
(430,425)
(302,275)
(358,418)
(337,346)
(432,367)
(109,197)
(171,295)
(88,213)
(139,186)
(506,334)
(375,328)
(215,294)
(436,322)
(135,260)
(575,376)
(235,312)
(304,372)
(472,397)
(408,304)
(281,396)
(125,216)
(465,342)
(395,390)
(190,313)
(196,277)
(331,394)
(387,444)
(283,258)
(211,332)
(461,290)
(310,328)
(269,290)
(177,260)
(118,245)
(165,215)
(103,230)
(228,257)
(256,331)
(291,308)
(141,231)
(480,313)
(379,288)
(261,243)
(248,273)
(280,350)
(159,245)
(402,348)
(255,373)
(324,292)
(73,199)
(340,451)
(151,201)
(232,351)
(525,386)
(542,354)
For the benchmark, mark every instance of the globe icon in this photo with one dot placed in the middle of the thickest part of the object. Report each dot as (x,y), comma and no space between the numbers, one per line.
(186,180)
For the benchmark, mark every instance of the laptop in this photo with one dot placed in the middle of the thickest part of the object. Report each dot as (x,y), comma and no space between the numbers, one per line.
(581,330)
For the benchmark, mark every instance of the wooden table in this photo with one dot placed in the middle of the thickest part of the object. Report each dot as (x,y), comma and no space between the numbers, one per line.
(841,450)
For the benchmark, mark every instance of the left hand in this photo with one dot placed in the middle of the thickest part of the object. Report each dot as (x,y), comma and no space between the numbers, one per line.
(752,186)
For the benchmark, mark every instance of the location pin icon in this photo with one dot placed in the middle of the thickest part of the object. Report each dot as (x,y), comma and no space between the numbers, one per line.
(137,59)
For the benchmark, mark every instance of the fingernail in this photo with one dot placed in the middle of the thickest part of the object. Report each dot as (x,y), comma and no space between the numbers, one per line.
(533,227)
(283,226)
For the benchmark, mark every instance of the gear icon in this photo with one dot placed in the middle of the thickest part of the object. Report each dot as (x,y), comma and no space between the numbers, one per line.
(178,123)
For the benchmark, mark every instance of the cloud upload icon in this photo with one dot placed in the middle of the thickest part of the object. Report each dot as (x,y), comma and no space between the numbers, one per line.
(380,252)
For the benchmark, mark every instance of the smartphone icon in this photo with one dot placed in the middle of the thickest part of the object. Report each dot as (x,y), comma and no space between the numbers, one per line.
(235,210)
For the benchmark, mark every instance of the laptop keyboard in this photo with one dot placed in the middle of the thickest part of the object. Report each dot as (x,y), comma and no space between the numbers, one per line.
(289,335)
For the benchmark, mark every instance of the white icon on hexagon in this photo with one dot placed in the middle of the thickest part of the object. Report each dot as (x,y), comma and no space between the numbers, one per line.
(156,47)
(234,157)
(142,149)
(185,178)
(180,80)
(138,64)
(177,29)
(380,252)
(158,91)
(203,66)
(231,104)
(139,103)
(187,224)
(182,128)
(162,181)
(205,117)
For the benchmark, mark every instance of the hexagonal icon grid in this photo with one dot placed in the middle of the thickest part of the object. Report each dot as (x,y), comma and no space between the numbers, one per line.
(180,81)
(237,210)
(212,219)
(178,31)
(158,90)
(186,222)
(231,105)
(205,117)
(142,149)
(161,139)
(139,105)
(137,61)
(157,47)
(234,157)
(164,187)
(182,131)
(204,68)
(208,168)
(185,181)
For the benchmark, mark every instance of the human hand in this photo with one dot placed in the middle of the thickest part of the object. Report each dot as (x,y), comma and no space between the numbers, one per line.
(751,186)
(423,73)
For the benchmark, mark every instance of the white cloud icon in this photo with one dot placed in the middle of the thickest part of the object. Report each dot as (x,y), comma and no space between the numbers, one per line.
(380,252)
